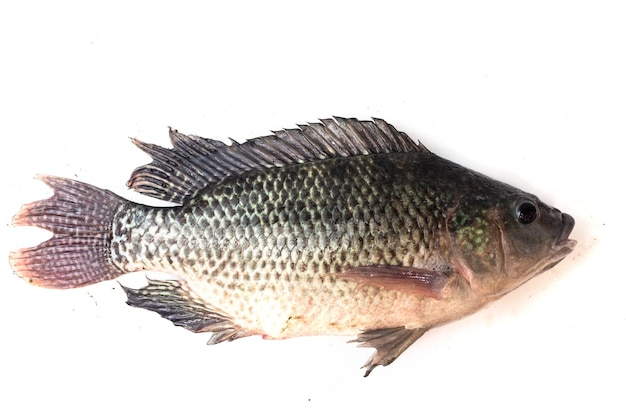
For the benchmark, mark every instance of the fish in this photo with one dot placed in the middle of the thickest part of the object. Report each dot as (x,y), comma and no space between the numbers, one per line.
(340,227)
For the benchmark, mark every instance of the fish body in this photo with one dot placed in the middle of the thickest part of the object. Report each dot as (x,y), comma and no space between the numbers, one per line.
(342,227)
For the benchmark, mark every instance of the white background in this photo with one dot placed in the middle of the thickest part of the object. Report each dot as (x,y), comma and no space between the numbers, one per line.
(532,93)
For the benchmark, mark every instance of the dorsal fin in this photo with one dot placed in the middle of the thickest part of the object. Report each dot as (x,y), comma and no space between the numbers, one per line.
(178,173)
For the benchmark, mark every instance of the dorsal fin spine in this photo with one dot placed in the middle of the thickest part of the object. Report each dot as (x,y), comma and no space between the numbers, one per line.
(195,163)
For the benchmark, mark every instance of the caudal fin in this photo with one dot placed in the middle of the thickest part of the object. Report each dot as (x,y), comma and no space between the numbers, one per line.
(80,216)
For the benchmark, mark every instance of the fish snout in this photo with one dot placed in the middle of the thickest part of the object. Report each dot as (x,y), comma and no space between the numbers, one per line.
(568,223)
(563,242)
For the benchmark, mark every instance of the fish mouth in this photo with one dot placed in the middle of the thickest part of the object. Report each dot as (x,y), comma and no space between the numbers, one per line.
(562,246)
(567,223)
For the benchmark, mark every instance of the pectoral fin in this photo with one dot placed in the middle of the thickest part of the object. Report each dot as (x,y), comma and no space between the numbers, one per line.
(399,278)
(389,344)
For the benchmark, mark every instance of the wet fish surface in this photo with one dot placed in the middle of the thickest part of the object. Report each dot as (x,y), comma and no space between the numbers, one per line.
(341,227)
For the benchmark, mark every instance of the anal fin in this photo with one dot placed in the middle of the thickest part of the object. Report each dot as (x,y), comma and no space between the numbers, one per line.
(389,344)
(177,304)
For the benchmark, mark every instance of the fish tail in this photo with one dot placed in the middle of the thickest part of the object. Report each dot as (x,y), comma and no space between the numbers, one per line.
(78,254)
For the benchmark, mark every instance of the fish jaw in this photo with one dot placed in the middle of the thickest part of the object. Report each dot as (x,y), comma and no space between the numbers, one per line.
(518,271)
(562,245)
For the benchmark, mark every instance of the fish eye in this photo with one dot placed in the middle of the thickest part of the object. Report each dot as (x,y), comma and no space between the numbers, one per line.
(526,212)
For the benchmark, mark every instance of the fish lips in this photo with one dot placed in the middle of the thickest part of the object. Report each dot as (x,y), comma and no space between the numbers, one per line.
(562,245)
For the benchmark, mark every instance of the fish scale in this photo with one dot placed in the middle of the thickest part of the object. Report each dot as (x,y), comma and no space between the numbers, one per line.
(302,241)
(340,227)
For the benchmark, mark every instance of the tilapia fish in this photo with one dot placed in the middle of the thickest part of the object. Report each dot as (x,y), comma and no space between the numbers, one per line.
(341,227)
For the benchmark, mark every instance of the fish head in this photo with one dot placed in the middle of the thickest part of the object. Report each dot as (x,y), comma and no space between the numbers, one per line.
(502,239)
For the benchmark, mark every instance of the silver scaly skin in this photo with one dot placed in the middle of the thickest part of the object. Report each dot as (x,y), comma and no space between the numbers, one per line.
(265,248)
